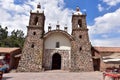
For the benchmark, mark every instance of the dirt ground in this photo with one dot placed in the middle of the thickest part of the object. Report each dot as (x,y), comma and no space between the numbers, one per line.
(54,75)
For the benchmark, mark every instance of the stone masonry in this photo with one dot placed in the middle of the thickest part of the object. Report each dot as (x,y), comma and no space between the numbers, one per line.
(81,48)
(65,65)
(31,59)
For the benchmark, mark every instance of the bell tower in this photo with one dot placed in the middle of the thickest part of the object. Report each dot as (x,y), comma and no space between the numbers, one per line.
(31,59)
(81,58)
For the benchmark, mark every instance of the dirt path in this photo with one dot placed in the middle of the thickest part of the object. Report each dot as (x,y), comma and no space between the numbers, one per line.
(54,75)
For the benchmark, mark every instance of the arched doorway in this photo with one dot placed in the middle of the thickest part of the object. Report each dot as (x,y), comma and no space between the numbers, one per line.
(56,61)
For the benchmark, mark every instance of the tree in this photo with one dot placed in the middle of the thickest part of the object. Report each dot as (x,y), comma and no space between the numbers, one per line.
(3,35)
(17,38)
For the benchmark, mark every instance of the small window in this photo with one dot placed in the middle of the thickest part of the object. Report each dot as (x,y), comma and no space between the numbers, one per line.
(57,44)
(80,49)
(32,46)
(79,23)
(80,36)
(34,33)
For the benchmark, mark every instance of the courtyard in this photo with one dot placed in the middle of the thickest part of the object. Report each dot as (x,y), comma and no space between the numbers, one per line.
(53,75)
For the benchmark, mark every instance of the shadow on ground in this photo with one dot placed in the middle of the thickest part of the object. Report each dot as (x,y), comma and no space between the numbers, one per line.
(5,78)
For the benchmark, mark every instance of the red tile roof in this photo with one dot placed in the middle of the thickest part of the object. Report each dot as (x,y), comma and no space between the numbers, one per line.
(8,50)
(107,49)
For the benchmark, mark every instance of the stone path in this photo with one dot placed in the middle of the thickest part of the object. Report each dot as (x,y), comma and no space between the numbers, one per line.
(54,75)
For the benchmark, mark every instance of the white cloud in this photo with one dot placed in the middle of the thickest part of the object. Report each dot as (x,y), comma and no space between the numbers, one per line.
(17,16)
(112,2)
(111,42)
(107,23)
(100,8)
(84,10)
(105,36)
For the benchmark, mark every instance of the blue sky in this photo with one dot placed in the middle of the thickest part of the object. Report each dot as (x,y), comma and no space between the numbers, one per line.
(103,19)
(90,7)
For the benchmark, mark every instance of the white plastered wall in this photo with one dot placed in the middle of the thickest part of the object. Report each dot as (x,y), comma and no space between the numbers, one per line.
(50,42)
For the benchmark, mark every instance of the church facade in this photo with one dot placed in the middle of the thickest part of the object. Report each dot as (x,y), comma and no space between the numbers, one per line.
(56,49)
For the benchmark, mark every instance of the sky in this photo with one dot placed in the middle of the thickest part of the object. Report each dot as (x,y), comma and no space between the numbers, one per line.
(103,17)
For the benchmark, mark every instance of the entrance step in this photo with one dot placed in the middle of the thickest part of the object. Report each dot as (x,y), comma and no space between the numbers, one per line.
(58,71)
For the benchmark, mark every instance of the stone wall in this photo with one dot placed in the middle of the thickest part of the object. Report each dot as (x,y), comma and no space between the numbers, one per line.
(81,56)
(81,60)
(31,59)
(65,58)
(32,53)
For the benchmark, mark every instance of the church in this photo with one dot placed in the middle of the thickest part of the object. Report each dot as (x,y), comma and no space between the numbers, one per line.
(57,49)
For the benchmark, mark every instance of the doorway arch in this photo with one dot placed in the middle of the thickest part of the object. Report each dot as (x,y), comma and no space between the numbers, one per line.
(56,61)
